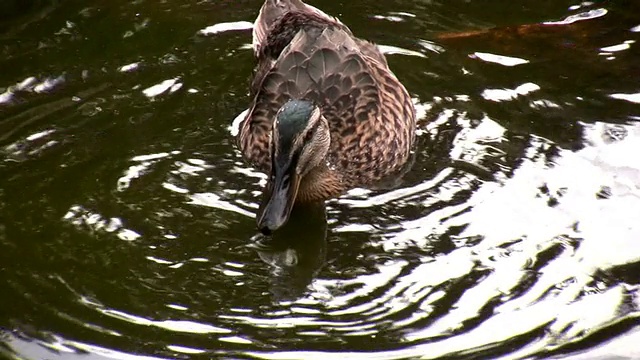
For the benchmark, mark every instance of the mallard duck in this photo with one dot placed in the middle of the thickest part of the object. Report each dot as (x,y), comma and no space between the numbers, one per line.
(327,114)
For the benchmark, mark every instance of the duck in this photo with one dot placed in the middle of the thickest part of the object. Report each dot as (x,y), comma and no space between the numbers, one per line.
(326,114)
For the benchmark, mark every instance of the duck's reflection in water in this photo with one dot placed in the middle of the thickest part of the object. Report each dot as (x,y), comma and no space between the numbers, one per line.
(296,252)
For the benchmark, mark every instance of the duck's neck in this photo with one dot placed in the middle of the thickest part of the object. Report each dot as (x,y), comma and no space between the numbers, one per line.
(319,184)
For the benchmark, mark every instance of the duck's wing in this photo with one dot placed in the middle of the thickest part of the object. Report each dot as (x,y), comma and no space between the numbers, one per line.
(370,113)
(272,10)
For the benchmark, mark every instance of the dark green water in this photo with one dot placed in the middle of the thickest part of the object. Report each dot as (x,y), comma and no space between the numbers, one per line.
(126,211)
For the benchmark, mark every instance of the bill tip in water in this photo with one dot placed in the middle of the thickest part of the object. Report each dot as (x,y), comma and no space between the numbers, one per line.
(265,230)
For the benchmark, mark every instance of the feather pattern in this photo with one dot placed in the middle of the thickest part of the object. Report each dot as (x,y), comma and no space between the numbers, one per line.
(305,54)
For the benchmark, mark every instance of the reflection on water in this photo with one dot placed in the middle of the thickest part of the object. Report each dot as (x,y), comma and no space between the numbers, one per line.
(127,216)
(296,252)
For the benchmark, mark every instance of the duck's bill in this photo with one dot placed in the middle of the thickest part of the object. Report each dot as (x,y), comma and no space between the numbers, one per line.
(277,203)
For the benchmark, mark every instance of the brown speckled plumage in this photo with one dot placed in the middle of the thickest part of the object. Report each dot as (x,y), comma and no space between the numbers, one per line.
(303,53)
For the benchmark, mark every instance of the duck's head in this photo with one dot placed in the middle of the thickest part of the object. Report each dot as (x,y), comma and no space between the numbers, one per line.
(299,142)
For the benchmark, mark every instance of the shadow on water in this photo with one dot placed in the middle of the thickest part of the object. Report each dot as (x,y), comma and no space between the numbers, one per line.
(17,15)
(296,252)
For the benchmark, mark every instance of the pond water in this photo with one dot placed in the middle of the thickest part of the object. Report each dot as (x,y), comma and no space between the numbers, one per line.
(127,223)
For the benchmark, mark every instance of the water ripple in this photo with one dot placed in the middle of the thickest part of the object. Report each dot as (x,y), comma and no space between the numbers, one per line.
(128,216)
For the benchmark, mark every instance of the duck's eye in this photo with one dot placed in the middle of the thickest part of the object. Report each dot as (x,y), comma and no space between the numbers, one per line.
(309,135)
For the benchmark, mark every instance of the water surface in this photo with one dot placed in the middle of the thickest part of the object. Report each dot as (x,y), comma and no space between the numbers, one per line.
(127,215)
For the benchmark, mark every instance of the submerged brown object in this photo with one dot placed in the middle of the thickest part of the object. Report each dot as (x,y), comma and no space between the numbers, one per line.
(327,114)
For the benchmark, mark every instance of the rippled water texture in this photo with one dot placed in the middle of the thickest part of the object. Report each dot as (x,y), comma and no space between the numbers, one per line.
(127,215)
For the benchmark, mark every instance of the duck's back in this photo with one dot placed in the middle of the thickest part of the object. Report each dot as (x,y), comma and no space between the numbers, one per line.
(370,114)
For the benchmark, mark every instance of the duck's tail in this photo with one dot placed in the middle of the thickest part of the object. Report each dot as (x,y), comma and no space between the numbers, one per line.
(272,10)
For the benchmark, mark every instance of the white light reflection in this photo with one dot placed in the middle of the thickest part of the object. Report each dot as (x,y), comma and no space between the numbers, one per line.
(182,326)
(48,84)
(543,103)
(273,323)
(215,201)
(226,26)
(174,188)
(634,98)
(136,171)
(620,47)
(235,340)
(129,67)
(593,219)
(109,353)
(250,173)
(390,50)
(354,228)
(509,94)
(128,235)
(27,85)
(68,347)
(39,135)
(6,96)
(588,15)
(185,350)
(170,85)
(393,16)
(133,172)
(499,59)
(431,46)
(491,333)
(472,140)
(159,261)
(143,158)
(623,346)
(78,216)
